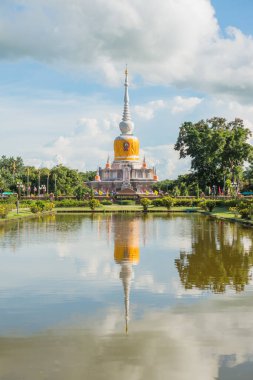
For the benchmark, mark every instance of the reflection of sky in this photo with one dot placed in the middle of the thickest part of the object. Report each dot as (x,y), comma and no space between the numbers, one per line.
(55,269)
(58,278)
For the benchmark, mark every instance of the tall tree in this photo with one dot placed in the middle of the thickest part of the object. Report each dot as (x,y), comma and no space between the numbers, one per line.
(217,148)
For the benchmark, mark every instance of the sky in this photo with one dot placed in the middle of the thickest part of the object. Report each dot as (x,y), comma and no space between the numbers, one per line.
(62,73)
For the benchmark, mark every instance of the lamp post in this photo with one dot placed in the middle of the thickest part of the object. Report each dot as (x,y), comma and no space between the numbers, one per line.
(27,183)
(48,174)
(43,188)
(55,186)
(19,187)
(38,183)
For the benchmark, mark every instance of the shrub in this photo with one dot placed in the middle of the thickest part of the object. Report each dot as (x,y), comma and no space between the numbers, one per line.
(106,202)
(245,213)
(35,209)
(157,202)
(208,205)
(48,206)
(126,202)
(168,202)
(71,203)
(244,208)
(93,203)
(40,205)
(145,202)
(5,209)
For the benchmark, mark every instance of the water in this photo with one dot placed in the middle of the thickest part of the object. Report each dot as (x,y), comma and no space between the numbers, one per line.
(126,297)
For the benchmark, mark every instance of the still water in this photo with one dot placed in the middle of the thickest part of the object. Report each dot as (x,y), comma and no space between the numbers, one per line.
(126,297)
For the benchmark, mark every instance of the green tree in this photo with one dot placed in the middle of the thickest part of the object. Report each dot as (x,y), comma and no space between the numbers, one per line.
(146,203)
(80,191)
(217,149)
(93,203)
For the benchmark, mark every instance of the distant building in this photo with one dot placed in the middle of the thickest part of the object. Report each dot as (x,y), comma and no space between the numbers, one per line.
(127,172)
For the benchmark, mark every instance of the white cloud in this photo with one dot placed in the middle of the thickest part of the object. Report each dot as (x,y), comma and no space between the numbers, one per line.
(147,111)
(162,42)
(166,160)
(182,104)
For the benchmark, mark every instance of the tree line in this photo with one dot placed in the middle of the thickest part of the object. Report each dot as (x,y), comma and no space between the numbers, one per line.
(26,180)
(218,150)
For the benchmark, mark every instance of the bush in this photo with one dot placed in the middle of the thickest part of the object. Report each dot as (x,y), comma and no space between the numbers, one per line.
(245,213)
(106,202)
(157,202)
(168,202)
(71,203)
(244,209)
(48,206)
(145,202)
(93,203)
(183,202)
(35,209)
(208,205)
(5,209)
(126,202)
(40,206)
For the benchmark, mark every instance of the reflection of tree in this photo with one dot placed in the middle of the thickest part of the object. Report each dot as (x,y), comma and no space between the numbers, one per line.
(218,258)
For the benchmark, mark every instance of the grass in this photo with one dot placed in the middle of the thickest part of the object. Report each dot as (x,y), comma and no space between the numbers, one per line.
(23,213)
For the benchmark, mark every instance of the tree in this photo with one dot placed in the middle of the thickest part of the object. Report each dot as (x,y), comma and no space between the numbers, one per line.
(93,203)
(146,203)
(218,149)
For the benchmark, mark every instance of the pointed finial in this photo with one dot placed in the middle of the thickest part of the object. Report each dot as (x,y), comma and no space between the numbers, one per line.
(126,125)
(108,165)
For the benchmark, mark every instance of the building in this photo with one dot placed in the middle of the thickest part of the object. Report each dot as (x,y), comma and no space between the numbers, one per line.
(127,173)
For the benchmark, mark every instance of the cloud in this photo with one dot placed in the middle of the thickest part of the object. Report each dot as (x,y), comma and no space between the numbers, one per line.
(162,43)
(87,146)
(166,160)
(185,104)
(147,111)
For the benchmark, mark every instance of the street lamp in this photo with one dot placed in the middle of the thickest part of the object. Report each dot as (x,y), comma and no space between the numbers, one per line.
(43,188)
(38,183)
(28,188)
(55,187)
(48,174)
(19,187)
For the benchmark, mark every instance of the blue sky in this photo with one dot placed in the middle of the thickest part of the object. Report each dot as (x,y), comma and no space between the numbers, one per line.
(62,65)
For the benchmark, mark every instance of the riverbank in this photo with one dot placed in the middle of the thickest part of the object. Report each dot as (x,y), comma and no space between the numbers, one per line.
(23,214)
(123,209)
(218,213)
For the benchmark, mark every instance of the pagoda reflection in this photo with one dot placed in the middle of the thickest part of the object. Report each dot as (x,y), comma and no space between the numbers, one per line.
(221,256)
(126,253)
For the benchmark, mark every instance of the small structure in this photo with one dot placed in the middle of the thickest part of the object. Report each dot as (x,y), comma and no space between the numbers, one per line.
(127,171)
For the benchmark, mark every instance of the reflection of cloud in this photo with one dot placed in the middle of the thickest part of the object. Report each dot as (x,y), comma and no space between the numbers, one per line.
(148,283)
(172,344)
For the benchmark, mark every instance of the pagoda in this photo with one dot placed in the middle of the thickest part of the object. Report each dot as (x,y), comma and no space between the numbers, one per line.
(127,172)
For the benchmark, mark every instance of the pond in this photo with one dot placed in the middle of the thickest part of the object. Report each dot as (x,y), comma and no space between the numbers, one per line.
(126,297)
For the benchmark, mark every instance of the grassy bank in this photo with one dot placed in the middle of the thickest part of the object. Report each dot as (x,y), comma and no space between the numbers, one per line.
(24,213)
